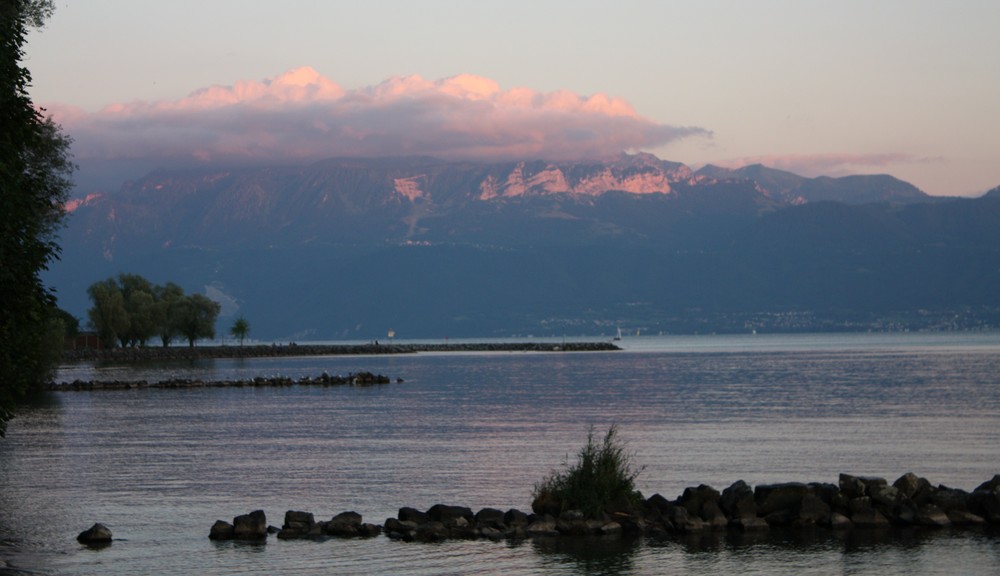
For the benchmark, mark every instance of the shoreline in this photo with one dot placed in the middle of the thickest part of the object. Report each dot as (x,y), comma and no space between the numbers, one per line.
(126,355)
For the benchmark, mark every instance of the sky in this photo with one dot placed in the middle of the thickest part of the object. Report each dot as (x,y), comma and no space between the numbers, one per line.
(905,87)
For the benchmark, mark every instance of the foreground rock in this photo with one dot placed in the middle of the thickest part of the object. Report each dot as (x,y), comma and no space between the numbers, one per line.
(96,535)
(854,503)
(250,527)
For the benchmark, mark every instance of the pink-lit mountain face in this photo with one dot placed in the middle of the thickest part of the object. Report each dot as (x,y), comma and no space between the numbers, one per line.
(426,200)
(431,247)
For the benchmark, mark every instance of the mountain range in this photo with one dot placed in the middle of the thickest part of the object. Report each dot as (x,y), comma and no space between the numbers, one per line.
(349,248)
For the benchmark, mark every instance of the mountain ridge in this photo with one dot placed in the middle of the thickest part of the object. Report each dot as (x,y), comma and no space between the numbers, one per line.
(434,247)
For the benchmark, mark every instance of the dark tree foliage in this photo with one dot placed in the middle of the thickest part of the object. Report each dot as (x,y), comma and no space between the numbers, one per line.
(130,311)
(196,318)
(240,329)
(34,183)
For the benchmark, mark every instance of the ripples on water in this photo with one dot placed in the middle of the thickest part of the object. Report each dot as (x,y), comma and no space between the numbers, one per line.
(159,466)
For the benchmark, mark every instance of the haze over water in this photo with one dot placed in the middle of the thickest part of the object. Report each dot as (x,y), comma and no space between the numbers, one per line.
(159,466)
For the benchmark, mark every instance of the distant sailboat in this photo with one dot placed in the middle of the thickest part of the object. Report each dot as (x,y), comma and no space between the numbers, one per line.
(618,336)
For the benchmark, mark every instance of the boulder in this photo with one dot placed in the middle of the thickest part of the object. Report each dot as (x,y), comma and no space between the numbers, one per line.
(491,533)
(909,485)
(221,530)
(684,522)
(812,511)
(950,499)
(629,524)
(773,498)
(992,485)
(96,535)
(657,501)
(400,529)
(785,517)
(884,497)
(851,486)
(839,521)
(297,525)
(432,531)
(748,524)
(737,501)
(859,486)
(514,517)
(460,527)
(344,525)
(449,515)
(959,518)
(694,498)
(408,514)
(825,491)
(903,514)
(986,504)
(933,516)
(252,526)
(572,523)
(712,515)
(864,515)
(490,518)
(296,519)
(546,526)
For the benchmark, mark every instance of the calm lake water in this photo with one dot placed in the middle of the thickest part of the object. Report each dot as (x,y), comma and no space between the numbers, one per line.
(160,466)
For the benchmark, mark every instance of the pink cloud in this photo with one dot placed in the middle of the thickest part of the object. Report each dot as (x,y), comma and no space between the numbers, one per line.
(301,115)
(831,164)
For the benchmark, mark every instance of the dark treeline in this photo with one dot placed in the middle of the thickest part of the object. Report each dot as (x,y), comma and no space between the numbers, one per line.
(130,311)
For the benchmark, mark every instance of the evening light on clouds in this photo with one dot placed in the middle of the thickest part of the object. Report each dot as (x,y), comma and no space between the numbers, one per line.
(835,88)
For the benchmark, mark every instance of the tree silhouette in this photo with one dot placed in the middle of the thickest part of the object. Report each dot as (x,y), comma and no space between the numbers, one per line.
(34,184)
(240,329)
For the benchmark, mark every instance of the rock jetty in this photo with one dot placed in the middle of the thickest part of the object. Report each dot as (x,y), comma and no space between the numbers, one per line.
(275,350)
(359,379)
(854,503)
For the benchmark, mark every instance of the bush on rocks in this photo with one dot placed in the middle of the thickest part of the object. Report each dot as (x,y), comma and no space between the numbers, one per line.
(602,480)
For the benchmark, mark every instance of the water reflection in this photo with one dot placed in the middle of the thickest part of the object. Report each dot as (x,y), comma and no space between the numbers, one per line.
(589,555)
(480,431)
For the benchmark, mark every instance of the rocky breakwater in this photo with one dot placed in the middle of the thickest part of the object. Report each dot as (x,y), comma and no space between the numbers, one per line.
(155,353)
(359,379)
(253,527)
(856,503)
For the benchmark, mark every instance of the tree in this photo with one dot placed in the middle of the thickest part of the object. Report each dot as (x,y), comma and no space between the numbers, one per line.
(240,329)
(137,293)
(165,311)
(108,315)
(196,317)
(35,181)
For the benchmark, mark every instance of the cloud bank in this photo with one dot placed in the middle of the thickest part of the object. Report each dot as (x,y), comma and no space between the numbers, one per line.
(301,116)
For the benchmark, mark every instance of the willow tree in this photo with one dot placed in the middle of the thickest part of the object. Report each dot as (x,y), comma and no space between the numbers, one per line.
(34,184)
(196,317)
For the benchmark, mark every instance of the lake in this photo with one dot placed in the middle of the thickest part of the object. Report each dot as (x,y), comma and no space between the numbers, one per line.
(480,429)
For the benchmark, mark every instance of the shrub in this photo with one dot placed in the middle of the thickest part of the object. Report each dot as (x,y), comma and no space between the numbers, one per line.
(602,479)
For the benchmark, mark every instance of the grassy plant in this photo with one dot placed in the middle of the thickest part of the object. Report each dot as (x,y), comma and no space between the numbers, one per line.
(602,478)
